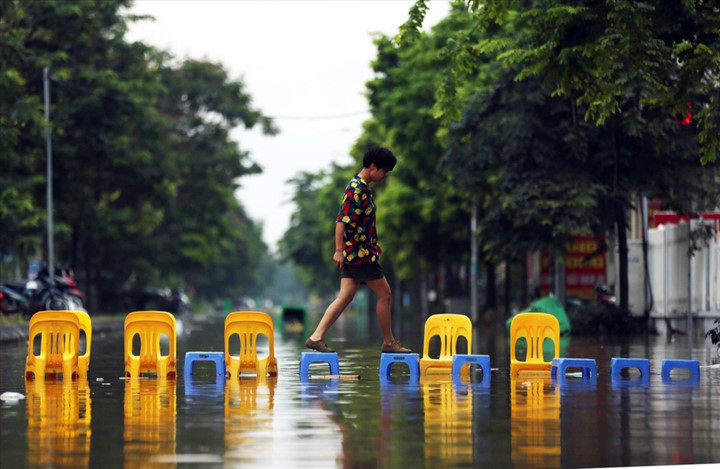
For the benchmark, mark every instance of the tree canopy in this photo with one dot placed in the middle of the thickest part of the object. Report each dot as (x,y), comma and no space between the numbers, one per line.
(596,53)
(144,169)
(549,118)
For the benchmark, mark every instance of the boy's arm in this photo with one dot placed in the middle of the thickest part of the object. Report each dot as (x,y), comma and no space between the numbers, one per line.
(339,238)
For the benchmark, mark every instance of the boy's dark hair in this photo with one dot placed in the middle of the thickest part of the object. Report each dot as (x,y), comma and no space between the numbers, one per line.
(382,157)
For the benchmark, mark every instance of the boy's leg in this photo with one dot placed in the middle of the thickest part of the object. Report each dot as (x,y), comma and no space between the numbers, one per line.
(348,288)
(384,295)
(384,298)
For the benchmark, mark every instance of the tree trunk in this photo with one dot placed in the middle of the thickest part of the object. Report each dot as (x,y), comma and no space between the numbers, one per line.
(620,226)
(622,257)
(524,280)
(508,273)
(424,307)
(490,295)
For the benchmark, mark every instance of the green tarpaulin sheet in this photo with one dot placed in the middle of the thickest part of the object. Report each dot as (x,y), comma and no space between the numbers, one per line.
(551,305)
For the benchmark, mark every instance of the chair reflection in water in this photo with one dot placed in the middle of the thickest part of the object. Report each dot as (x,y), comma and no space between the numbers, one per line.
(535,422)
(448,423)
(249,418)
(58,423)
(449,329)
(150,421)
(59,335)
(247,326)
(151,327)
(535,329)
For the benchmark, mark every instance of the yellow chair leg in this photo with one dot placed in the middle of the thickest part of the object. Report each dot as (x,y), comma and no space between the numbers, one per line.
(161,367)
(261,367)
(67,367)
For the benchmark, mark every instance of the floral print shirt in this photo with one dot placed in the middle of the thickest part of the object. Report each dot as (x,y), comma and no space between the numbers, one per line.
(358,214)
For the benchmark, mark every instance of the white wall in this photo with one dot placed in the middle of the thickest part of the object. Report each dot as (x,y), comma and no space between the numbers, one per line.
(680,282)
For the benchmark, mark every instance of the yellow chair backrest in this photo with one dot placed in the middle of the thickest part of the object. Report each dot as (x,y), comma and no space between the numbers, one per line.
(85,326)
(535,328)
(150,326)
(59,342)
(449,328)
(248,325)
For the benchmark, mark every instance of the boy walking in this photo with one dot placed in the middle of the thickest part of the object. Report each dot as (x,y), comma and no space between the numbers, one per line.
(357,252)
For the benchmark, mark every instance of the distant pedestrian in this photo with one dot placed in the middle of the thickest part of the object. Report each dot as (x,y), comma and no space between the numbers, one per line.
(357,252)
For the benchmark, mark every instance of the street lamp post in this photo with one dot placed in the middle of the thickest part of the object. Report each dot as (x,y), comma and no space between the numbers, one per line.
(48,152)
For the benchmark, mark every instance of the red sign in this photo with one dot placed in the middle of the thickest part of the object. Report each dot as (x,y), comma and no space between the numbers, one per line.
(582,273)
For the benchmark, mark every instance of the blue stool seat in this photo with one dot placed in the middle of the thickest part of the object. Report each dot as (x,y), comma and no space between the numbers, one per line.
(191,357)
(306,358)
(560,365)
(411,359)
(460,360)
(618,364)
(693,366)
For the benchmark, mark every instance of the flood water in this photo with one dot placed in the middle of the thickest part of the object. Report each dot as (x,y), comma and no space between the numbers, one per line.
(286,422)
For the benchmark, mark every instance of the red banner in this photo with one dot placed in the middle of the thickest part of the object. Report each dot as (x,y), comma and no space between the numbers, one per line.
(582,274)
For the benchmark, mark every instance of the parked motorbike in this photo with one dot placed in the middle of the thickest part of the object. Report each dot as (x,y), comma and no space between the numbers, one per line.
(65,282)
(604,295)
(61,294)
(12,298)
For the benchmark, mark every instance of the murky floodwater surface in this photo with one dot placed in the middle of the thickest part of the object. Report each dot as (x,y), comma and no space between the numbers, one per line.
(286,422)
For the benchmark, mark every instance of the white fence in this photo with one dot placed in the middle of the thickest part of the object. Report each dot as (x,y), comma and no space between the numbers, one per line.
(681,282)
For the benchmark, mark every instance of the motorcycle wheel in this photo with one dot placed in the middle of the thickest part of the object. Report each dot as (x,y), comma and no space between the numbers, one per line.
(56,302)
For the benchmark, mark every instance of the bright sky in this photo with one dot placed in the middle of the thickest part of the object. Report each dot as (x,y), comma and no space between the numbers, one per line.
(301,62)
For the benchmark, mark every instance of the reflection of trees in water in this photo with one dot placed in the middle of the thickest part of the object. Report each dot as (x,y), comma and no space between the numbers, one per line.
(58,415)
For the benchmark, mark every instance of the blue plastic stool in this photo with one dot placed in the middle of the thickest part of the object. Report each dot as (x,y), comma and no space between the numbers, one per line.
(559,367)
(642,364)
(460,360)
(191,357)
(693,366)
(306,358)
(411,359)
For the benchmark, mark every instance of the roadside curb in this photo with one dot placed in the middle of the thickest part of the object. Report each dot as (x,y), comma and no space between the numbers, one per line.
(13,333)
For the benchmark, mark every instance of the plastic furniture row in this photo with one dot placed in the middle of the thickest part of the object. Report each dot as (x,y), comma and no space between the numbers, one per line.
(60,349)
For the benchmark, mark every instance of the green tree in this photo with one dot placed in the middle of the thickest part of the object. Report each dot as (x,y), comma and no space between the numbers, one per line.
(144,169)
(309,241)
(547,175)
(425,224)
(596,53)
(621,63)
(21,129)
(204,221)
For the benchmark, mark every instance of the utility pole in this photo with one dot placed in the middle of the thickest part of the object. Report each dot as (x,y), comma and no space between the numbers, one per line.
(49,193)
(473,266)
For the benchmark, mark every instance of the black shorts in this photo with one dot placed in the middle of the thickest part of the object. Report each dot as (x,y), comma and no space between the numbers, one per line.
(362,272)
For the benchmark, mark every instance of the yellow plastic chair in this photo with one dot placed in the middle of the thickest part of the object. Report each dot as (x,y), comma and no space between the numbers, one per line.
(150,326)
(248,325)
(535,328)
(449,327)
(60,337)
(85,326)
